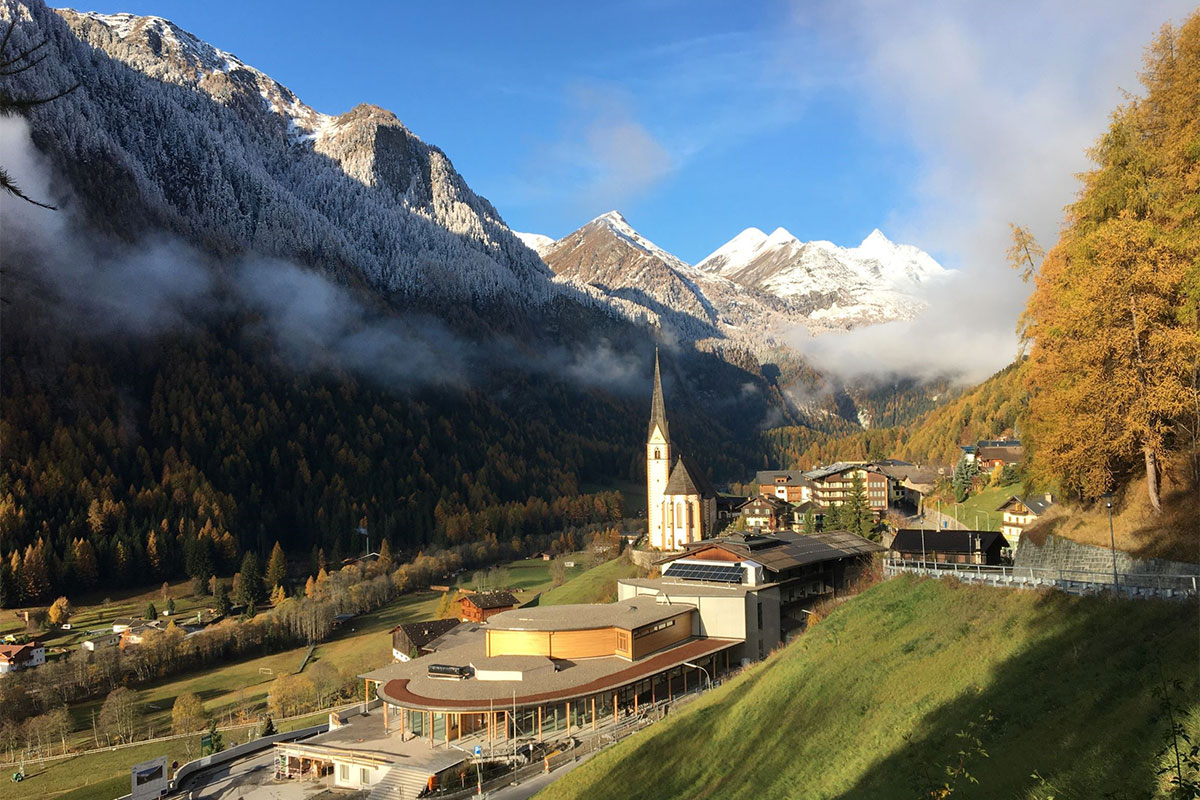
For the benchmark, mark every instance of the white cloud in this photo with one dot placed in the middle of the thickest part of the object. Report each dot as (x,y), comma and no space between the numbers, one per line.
(602,157)
(1000,103)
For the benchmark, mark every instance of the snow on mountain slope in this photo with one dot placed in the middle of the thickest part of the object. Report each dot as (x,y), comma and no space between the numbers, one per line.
(537,242)
(874,282)
(609,258)
(167,133)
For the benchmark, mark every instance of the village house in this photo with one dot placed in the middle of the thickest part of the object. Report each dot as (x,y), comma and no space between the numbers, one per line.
(988,453)
(21,656)
(766,513)
(789,485)
(1020,512)
(94,643)
(949,546)
(990,457)
(412,639)
(833,484)
(479,607)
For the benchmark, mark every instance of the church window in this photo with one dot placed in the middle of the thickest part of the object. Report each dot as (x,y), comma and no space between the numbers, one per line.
(657,453)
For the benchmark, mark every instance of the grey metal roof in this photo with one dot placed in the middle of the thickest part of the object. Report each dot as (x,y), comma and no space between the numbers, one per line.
(420,634)
(784,550)
(658,409)
(687,479)
(492,600)
(909,540)
(792,477)
(625,614)
(1038,504)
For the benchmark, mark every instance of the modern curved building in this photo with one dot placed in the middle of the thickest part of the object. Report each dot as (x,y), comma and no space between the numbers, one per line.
(541,672)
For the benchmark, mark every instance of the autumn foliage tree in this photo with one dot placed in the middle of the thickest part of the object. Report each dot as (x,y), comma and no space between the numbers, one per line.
(1113,315)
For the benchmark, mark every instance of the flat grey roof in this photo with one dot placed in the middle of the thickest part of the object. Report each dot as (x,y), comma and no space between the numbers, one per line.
(624,614)
(682,588)
(514,663)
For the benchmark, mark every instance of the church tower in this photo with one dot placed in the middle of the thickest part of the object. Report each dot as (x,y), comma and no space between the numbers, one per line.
(658,462)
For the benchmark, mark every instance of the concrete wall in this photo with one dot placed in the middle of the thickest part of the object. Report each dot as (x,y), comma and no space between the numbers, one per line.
(1063,554)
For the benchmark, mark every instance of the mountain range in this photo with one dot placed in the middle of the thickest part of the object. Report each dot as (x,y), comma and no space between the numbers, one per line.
(167,134)
(755,288)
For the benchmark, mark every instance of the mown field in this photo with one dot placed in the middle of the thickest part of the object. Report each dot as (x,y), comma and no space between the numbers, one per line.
(871,704)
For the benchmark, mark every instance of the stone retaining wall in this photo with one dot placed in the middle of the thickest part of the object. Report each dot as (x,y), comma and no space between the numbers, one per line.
(1064,554)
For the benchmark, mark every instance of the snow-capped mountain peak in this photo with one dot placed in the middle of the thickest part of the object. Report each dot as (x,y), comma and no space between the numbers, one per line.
(537,242)
(781,235)
(875,281)
(163,50)
(615,222)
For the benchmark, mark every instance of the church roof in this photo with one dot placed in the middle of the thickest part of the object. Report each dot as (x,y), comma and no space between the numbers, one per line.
(687,479)
(658,410)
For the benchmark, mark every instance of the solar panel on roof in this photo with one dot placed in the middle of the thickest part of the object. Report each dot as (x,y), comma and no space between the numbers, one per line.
(722,573)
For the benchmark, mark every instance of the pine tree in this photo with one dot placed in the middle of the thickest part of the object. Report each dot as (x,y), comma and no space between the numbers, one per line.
(153,554)
(385,556)
(86,570)
(35,572)
(963,478)
(250,586)
(855,511)
(276,567)
(151,612)
(221,599)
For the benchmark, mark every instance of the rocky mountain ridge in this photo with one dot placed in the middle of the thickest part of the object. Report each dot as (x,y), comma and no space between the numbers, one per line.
(756,289)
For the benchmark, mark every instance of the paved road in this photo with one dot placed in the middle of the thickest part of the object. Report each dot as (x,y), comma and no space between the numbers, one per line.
(243,777)
(934,520)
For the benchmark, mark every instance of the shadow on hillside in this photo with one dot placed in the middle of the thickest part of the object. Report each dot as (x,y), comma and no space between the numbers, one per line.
(1079,709)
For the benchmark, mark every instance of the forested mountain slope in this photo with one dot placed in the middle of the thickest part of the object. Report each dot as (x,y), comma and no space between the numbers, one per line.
(990,410)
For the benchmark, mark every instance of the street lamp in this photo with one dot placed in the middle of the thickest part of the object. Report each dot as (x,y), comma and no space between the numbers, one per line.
(1112,541)
(478,772)
(702,669)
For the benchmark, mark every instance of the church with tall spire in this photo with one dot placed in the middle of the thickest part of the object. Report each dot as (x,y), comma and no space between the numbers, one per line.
(681,503)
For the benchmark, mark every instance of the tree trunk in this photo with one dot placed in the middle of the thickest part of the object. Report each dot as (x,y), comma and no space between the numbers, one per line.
(1152,479)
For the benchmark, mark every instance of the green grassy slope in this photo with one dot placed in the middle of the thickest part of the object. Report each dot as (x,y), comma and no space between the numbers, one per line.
(861,705)
(596,585)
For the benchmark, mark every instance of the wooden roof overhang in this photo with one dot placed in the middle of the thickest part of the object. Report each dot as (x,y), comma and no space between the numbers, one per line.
(396,691)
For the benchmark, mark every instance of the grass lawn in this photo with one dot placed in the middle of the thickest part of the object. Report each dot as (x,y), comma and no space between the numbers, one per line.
(596,585)
(869,704)
(979,512)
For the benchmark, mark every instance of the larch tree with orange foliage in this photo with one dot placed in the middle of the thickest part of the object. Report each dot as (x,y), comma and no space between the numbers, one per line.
(1113,314)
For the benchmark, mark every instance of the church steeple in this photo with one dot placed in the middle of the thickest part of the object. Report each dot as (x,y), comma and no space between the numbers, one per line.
(658,410)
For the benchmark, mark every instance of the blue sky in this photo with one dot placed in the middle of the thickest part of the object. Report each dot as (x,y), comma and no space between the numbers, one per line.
(695,119)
